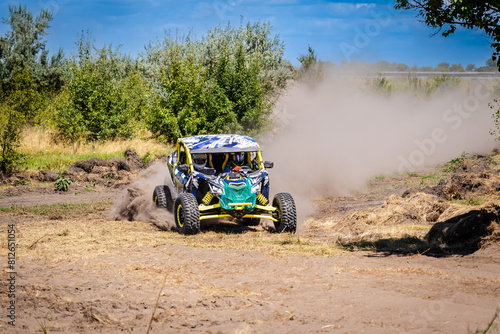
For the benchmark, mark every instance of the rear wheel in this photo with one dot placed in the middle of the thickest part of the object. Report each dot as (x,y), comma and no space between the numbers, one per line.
(163,197)
(187,215)
(286,213)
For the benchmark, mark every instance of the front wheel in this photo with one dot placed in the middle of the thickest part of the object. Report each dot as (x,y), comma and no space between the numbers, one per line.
(286,213)
(187,215)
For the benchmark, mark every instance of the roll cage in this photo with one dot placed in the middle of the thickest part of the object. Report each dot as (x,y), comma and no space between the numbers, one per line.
(217,157)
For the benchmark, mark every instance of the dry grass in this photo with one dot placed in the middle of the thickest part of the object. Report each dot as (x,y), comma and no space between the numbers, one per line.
(84,239)
(66,210)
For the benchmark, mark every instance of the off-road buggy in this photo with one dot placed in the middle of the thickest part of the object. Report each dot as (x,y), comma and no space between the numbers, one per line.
(218,190)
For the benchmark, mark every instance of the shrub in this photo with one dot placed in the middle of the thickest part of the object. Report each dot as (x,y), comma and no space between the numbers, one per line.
(20,105)
(62,183)
(225,82)
(103,98)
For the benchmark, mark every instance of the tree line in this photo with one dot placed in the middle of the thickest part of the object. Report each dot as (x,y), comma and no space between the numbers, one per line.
(226,81)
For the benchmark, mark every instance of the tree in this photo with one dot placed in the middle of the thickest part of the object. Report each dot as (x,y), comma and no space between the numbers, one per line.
(426,69)
(311,70)
(186,101)
(491,63)
(443,67)
(450,14)
(307,61)
(225,81)
(23,47)
(25,72)
(470,67)
(402,67)
(22,100)
(103,97)
(490,66)
(457,68)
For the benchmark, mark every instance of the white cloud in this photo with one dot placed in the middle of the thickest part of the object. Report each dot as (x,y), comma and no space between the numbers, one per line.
(367,5)
(347,7)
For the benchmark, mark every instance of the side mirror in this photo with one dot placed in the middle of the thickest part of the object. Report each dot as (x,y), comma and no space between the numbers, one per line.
(183,168)
(268,164)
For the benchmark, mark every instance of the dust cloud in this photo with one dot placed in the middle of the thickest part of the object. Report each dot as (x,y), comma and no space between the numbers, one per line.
(136,201)
(334,137)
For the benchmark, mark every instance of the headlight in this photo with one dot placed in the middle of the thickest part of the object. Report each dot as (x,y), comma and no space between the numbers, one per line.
(256,184)
(256,188)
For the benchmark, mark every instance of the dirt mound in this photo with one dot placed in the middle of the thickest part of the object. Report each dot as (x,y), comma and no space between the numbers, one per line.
(471,179)
(396,210)
(114,172)
(476,164)
(453,207)
(111,173)
(89,165)
(455,226)
(28,176)
(471,230)
(133,159)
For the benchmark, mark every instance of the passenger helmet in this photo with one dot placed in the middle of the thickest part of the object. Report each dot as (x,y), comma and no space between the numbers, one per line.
(199,160)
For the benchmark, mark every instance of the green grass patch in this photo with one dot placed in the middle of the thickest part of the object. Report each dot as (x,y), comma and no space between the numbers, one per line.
(450,166)
(470,201)
(61,161)
(427,179)
(425,176)
(60,210)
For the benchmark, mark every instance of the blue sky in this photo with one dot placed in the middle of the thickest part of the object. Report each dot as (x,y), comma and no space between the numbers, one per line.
(337,31)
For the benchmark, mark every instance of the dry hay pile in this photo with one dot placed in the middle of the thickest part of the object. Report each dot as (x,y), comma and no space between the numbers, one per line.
(456,224)
(453,225)
(398,216)
(416,208)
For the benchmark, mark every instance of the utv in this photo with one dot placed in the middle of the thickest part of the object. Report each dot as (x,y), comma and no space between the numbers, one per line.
(219,176)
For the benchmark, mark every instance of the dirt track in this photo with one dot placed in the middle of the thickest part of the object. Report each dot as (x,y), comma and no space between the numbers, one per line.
(227,291)
(86,273)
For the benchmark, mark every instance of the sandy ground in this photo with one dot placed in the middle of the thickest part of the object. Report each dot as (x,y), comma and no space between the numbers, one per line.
(103,284)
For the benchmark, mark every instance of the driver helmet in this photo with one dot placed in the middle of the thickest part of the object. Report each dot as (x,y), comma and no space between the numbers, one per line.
(238,158)
(199,160)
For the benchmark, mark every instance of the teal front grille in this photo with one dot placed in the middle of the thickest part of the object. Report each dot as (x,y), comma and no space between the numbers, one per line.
(237,192)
